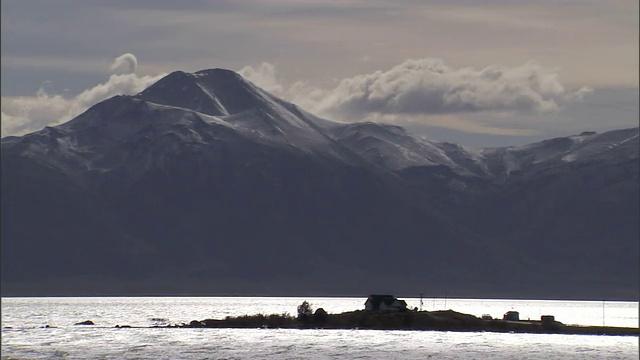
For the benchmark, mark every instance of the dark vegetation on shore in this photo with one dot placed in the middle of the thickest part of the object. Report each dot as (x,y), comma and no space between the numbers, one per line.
(403,319)
(445,320)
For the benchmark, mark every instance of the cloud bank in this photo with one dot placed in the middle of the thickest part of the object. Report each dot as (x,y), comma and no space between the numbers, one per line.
(24,114)
(430,87)
(425,91)
(428,91)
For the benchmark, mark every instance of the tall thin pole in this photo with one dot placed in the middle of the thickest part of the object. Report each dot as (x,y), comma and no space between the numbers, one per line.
(421,301)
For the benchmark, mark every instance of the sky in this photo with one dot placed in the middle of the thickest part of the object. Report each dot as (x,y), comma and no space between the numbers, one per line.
(478,73)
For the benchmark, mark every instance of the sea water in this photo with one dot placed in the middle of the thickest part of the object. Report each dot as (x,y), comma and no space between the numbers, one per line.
(25,335)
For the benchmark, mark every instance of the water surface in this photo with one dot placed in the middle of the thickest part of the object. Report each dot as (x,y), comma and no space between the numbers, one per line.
(24,335)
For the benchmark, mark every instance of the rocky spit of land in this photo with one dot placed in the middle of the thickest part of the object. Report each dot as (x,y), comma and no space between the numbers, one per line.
(446,320)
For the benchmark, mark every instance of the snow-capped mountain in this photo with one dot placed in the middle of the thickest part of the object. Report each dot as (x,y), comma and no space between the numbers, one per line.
(611,147)
(205,183)
(240,105)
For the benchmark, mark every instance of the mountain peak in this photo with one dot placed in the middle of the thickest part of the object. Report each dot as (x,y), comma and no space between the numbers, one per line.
(216,92)
(181,89)
(219,73)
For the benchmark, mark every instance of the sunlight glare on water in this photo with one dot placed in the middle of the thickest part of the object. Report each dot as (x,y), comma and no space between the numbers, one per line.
(23,335)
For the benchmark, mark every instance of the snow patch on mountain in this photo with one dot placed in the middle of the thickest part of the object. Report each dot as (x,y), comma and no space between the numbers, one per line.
(393,148)
(612,146)
(202,109)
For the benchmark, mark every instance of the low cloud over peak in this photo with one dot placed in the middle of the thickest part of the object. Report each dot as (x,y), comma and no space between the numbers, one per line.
(419,91)
(24,114)
(264,75)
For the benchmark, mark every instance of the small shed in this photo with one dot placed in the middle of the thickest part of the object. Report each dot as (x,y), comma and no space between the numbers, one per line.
(384,303)
(487,317)
(547,319)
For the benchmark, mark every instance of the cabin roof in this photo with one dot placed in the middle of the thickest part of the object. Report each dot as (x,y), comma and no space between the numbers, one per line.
(388,300)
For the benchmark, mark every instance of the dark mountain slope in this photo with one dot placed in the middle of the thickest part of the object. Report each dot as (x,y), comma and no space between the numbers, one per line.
(206,184)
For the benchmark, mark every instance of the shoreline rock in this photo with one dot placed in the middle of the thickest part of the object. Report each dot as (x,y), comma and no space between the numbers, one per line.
(86,322)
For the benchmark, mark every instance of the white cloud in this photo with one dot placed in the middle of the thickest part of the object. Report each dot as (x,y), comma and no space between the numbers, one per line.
(429,86)
(424,91)
(264,76)
(428,91)
(124,64)
(24,114)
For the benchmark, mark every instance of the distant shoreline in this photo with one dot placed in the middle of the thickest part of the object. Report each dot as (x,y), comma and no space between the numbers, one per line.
(446,320)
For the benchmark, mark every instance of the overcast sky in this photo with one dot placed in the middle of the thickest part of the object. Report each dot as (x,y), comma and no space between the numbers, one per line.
(480,73)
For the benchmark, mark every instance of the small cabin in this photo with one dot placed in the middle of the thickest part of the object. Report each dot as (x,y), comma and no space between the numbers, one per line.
(384,303)
(547,319)
(512,316)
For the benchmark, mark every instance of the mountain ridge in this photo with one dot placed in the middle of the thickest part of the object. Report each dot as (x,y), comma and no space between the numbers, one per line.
(218,187)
